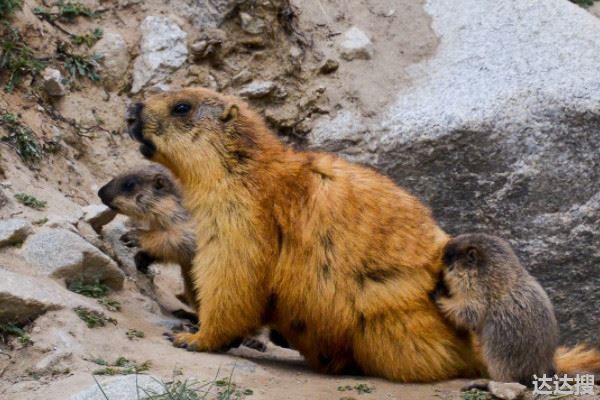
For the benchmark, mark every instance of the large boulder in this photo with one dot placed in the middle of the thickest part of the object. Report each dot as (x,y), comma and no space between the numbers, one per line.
(60,253)
(115,54)
(23,298)
(498,132)
(14,231)
(163,49)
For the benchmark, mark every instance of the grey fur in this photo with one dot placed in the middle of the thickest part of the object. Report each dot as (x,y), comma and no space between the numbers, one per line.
(504,306)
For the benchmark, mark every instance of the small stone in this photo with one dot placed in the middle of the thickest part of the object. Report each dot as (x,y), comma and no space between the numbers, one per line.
(14,231)
(53,82)
(98,215)
(252,25)
(122,388)
(62,254)
(49,363)
(356,45)
(199,48)
(124,255)
(242,77)
(507,391)
(330,65)
(257,89)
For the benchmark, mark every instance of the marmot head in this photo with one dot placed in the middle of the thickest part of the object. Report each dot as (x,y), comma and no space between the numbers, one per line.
(479,262)
(196,133)
(147,194)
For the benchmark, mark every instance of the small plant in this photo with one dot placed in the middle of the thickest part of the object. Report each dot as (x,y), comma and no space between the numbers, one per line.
(21,137)
(10,329)
(67,12)
(584,3)
(83,66)
(30,201)
(93,318)
(16,59)
(476,394)
(8,7)
(94,290)
(89,38)
(121,366)
(135,334)
(110,304)
(360,388)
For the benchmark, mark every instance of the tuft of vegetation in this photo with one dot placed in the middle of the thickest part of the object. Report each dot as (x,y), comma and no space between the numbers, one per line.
(121,366)
(89,38)
(360,388)
(110,304)
(9,329)
(94,290)
(133,334)
(476,394)
(93,318)
(21,138)
(16,59)
(81,65)
(8,7)
(67,12)
(30,201)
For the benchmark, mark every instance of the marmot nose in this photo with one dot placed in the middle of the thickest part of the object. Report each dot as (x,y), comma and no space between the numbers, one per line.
(103,194)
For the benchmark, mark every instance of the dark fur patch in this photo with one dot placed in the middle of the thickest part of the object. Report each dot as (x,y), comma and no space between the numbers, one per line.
(278,339)
(279,238)
(324,359)
(362,322)
(327,242)
(325,272)
(298,326)
(379,275)
(272,302)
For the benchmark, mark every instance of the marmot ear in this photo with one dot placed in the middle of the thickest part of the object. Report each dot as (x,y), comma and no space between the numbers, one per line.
(159,182)
(472,256)
(230,113)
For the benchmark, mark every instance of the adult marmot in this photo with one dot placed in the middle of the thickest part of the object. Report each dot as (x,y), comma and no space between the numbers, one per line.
(333,255)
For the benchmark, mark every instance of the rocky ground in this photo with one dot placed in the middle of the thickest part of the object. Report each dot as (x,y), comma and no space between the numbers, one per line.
(488,111)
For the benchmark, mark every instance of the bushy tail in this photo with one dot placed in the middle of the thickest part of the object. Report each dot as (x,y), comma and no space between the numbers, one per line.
(580,359)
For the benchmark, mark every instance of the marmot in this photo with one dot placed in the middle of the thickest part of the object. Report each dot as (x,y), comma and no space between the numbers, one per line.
(151,198)
(333,255)
(493,296)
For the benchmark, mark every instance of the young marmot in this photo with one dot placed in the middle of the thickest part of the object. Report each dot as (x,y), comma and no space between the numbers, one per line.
(151,197)
(332,254)
(492,295)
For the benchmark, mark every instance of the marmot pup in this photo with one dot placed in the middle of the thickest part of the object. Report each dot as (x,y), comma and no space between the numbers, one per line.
(492,295)
(150,196)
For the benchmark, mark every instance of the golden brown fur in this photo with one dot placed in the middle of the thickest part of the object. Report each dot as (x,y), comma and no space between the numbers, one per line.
(333,255)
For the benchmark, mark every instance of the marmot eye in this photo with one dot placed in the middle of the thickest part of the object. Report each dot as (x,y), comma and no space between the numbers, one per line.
(181,109)
(129,185)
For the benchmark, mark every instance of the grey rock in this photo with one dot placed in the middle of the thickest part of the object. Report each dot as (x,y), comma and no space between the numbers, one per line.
(498,132)
(86,231)
(251,24)
(50,362)
(507,391)
(329,66)
(163,49)
(60,253)
(115,54)
(98,215)
(14,231)
(211,13)
(123,388)
(53,82)
(257,89)
(244,76)
(23,298)
(124,255)
(356,44)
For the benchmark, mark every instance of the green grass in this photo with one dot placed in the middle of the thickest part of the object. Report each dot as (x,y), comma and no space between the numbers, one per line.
(21,138)
(8,7)
(9,329)
(16,59)
(94,290)
(476,394)
(584,3)
(110,304)
(30,201)
(82,66)
(67,12)
(93,318)
(121,366)
(89,38)
(360,388)
(135,334)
